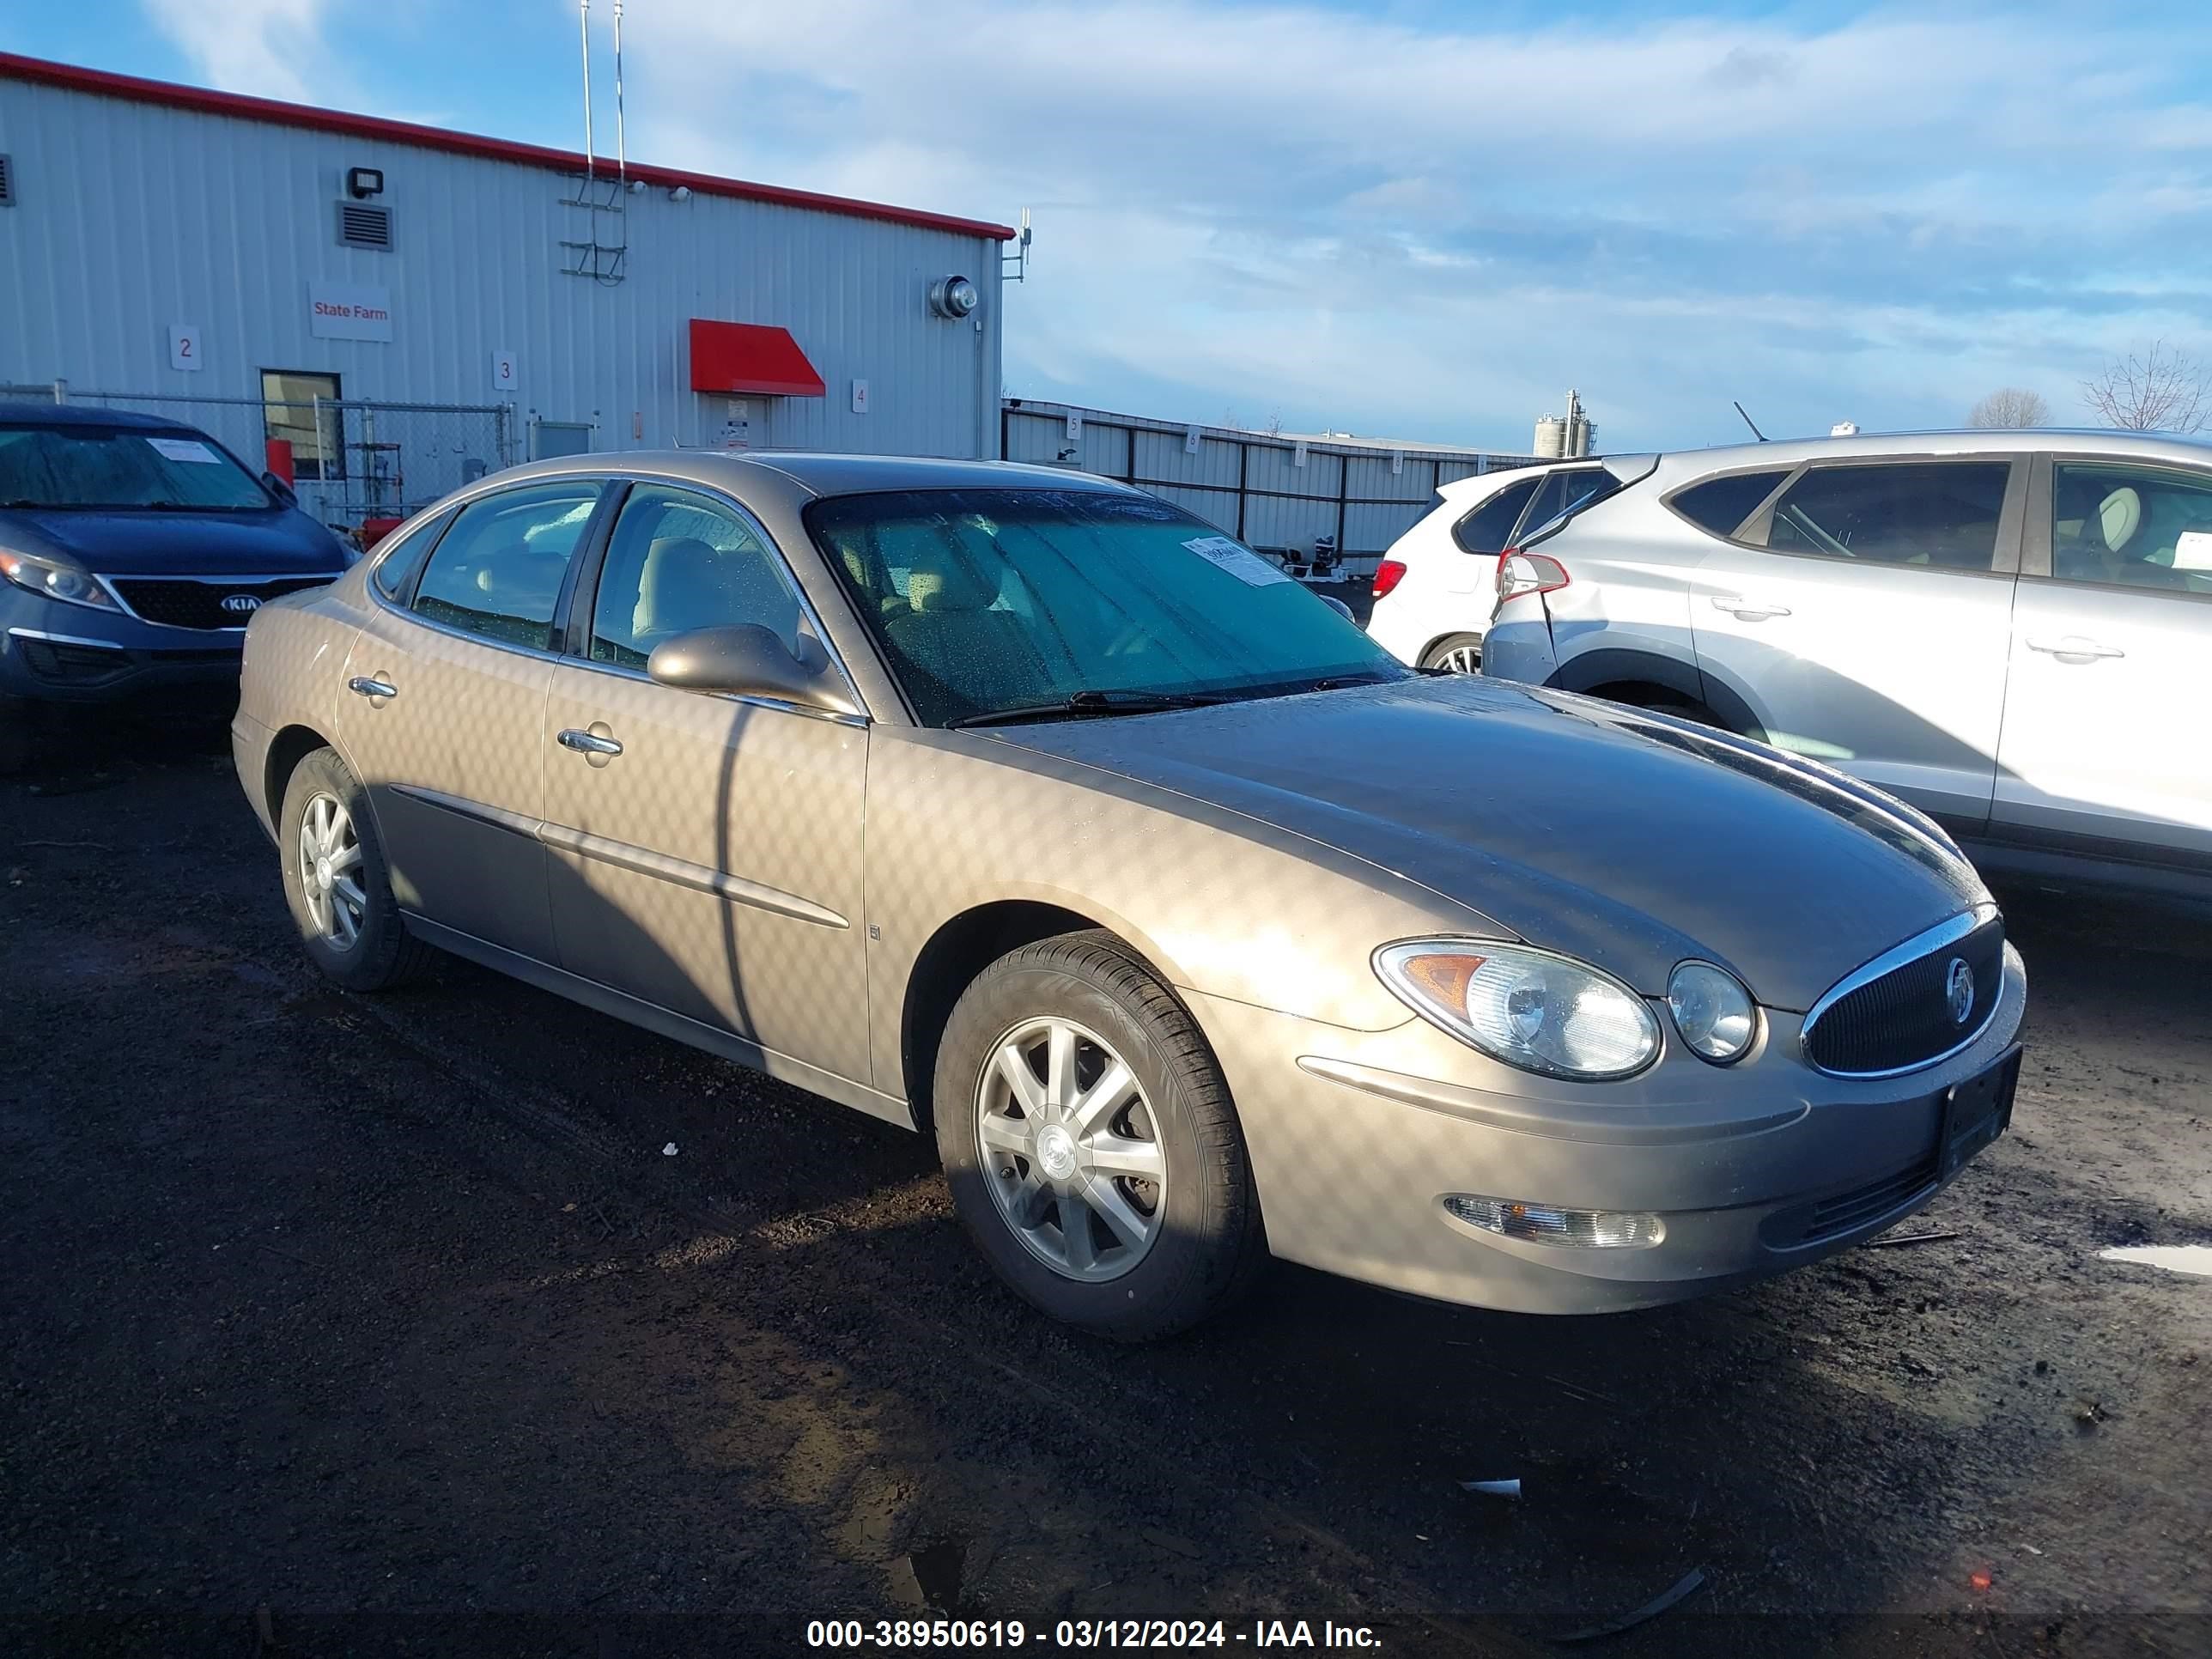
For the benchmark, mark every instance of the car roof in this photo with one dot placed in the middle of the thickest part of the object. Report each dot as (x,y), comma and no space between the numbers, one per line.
(827,474)
(1795,452)
(50,415)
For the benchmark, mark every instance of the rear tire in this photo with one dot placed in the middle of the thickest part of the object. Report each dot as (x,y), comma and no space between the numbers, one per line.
(1127,1209)
(336,884)
(1456,654)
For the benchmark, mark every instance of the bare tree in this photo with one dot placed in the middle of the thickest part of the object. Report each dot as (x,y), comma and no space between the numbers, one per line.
(2161,389)
(1274,427)
(2011,407)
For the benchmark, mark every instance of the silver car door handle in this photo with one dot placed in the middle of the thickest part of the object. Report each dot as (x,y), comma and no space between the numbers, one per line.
(365,686)
(2076,650)
(1747,609)
(589,742)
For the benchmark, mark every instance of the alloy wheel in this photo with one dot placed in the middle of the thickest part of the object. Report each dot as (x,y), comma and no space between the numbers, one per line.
(329,872)
(1070,1149)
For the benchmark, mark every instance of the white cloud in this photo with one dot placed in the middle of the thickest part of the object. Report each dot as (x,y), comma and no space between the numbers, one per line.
(1429,223)
(270,48)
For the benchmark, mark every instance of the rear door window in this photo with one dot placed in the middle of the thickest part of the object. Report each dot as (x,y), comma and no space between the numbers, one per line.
(1721,505)
(1942,514)
(497,571)
(1488,530)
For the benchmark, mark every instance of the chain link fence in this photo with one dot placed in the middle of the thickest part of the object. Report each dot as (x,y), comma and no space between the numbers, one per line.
(354,463)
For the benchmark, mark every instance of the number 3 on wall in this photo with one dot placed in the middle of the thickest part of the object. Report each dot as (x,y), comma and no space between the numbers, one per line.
(184,346)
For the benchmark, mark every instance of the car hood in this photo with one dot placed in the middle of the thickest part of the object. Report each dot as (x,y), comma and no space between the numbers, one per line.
(1629,840)
(282,543)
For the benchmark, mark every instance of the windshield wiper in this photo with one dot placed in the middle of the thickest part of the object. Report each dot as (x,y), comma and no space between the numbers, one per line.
(1089,704)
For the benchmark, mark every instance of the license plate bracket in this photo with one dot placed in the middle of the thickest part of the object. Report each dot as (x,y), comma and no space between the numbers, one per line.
(1976,1112)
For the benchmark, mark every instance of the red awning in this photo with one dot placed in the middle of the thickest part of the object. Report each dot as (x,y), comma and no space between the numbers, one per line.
(749,357)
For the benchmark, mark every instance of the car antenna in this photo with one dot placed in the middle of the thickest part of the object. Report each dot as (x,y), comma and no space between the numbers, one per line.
(1748,421)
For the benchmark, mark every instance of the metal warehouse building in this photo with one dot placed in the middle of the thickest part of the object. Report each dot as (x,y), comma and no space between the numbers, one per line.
(400,309)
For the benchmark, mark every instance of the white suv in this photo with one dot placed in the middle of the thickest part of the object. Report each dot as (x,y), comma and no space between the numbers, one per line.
(2012,630)
(1434,589)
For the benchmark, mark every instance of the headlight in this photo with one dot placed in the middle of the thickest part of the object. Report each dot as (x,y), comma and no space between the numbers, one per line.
(54,579)
(1714,1013)
(1527,1007)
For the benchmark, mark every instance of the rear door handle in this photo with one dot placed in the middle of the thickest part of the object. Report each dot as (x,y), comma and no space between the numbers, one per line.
(1745,610)
(589,742)
(365,685)
(2076,650)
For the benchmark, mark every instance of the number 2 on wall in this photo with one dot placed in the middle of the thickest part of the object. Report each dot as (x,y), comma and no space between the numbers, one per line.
(184,346)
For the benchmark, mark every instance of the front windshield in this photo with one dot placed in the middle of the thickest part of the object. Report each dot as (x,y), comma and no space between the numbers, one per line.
(116,467)
(992,600)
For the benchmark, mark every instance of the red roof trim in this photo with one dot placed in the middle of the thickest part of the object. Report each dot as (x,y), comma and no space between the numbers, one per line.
(102,83)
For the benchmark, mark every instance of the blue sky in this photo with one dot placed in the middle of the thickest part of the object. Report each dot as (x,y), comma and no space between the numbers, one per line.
(1416,219)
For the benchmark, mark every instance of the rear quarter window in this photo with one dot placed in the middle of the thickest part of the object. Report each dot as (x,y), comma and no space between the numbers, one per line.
(1486,528)
(1721,505)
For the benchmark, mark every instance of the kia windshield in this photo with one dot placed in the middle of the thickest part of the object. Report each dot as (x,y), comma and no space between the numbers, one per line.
(1012,604)
(122,468)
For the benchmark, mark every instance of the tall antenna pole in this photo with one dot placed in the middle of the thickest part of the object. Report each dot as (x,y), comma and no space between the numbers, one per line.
(584,26)
(622,152)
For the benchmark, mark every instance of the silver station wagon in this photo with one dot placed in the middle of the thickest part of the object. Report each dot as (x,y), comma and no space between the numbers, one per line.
(1024,810)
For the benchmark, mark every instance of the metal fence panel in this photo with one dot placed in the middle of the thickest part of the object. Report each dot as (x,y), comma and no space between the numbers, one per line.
(1253,485)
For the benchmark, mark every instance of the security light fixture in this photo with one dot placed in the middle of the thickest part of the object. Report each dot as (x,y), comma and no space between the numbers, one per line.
(953,297)
(362,183)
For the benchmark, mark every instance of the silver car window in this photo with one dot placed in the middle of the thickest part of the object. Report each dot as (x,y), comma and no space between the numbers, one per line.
(2134,526)
(679,561)
(497,572)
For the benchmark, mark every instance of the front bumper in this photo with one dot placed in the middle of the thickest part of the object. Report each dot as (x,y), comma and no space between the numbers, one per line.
(69,654)
(1356,1139)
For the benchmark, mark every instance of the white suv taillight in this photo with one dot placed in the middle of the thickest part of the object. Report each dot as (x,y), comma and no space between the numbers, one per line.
(1520,573)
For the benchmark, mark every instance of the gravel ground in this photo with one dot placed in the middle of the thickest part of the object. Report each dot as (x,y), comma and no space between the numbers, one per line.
(336,1324)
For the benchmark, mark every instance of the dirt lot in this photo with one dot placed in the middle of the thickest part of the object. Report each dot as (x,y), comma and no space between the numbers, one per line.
(346,1325)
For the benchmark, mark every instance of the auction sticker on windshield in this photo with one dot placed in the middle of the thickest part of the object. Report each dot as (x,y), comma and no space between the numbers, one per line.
(185,449)
(1237,560)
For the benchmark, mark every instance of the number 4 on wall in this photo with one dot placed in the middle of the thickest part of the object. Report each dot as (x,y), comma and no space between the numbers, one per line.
(184,346)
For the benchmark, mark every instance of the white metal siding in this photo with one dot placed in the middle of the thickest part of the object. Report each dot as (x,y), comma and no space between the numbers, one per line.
(133,217)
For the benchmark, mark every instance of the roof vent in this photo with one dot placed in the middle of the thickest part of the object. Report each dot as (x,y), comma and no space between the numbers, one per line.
(363,224)
(7,182)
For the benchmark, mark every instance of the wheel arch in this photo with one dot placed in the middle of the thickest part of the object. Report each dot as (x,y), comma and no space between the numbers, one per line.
(962,946)
(1615,670)
(292,744)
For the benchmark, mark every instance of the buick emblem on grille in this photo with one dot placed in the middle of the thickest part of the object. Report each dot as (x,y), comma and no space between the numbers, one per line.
(242,605)
(1958,990)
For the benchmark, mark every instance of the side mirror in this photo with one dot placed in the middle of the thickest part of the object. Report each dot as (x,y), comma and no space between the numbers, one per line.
(748,660)
(1337,605)
(283,491)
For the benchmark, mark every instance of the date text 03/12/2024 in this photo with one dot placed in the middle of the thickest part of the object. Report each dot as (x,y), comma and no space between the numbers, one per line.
(1085,1634)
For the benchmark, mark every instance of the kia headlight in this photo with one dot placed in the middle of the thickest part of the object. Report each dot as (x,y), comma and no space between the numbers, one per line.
(55,579)
(1540,1012)
(1713,1010)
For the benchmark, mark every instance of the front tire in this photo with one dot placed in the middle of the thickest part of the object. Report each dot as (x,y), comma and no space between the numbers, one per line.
(1456,653)
(1091,1144)
(336,884)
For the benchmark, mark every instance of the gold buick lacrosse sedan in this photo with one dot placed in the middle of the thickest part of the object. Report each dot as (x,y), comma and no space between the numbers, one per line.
(1022,808)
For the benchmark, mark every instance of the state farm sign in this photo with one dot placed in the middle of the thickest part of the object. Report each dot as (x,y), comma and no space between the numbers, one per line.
(349,311)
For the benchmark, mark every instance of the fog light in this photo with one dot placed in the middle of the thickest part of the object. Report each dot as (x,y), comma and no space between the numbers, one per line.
(1547,1223)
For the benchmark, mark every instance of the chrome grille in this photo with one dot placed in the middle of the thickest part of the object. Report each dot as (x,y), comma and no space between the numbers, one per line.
(1895,1014)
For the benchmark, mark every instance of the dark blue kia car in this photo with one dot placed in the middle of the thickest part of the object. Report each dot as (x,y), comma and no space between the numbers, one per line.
(133,552)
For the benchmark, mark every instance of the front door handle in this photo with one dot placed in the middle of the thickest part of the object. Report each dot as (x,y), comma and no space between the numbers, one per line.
(590,743)
(2076,650)
(368,686)
(1745,610)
